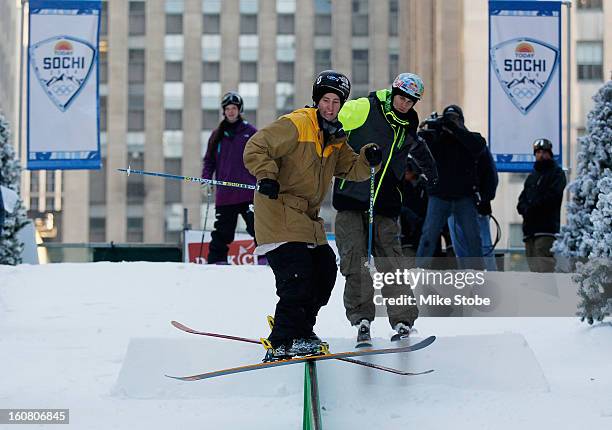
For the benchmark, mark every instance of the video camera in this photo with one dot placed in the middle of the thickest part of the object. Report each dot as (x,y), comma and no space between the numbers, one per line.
(432,126)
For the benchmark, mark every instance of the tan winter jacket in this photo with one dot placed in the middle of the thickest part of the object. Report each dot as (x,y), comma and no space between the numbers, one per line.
(291,151)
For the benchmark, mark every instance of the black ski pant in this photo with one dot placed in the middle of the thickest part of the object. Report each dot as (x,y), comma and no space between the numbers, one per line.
(305,278)
(225,228)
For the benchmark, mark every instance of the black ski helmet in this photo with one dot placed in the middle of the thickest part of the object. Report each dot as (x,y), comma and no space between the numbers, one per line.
(543,144)
(232,98)
(330,81)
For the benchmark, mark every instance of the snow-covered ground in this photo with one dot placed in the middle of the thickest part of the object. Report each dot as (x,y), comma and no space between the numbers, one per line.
(96,338)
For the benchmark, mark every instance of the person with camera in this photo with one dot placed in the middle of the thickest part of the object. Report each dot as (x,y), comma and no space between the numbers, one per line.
(388,118)
(540,205)
(294,160)
(223,159)
(456,151)
(487,186)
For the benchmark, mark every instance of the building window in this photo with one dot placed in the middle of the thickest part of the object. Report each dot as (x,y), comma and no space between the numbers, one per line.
(210,93)
(174,71)
(284,98)
(589,58)
(285,23)
(103,113)
(173,95)
(211,23)
(323,22)
(135,186)
(248,46)
(285,48)
(360,18)
(137,22)
(134,229)
(248,23)
(210,71)
(97,229)
(211,6)
(172,143)
(172,188)
(250,94)
(322,60)
(211,47)
(103,67)
(174,47)
(210,118)
(249,6)
(360,66)
(174,119)
(136,66)
(175,6)
(285,71)
(136,116)
(97,185)
(285,6)
(104,19)
(250,116)
(248,71)
(393,66)
(323,7)
(590,4)
(174,23)
(393,17)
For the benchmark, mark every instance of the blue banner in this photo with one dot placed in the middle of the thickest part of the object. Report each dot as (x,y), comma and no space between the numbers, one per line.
(62,85)
(524,81)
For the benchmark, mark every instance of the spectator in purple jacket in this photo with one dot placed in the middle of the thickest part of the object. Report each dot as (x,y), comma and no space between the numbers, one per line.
(224,160)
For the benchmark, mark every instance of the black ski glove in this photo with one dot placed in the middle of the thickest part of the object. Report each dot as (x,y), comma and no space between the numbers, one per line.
(373,154)
(484,207)
(268,187)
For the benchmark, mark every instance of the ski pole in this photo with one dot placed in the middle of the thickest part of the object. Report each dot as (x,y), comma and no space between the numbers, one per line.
(371,218)
(129,171)
(208,191)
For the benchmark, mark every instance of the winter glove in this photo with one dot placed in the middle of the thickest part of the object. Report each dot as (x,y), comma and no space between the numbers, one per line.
(484,208)
(373,154)
(268,187)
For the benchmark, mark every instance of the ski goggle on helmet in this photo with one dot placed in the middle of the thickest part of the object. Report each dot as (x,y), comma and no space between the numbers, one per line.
(543,144)
(232,98)
(410,85)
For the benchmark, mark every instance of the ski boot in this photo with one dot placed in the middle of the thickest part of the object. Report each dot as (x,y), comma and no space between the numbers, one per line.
(403,331)
(323,346)
(281,352)
(363,334)
(306,346)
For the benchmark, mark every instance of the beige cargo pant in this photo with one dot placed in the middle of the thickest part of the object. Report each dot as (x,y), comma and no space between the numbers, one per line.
(352,242)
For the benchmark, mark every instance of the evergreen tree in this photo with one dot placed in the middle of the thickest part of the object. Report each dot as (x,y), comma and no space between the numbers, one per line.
(10,173)
(588,233)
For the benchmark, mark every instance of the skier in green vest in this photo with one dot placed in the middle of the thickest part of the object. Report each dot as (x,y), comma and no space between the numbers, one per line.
(386,117)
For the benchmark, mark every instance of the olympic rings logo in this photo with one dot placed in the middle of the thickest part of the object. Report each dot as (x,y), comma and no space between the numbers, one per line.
(522,93)
(63,90)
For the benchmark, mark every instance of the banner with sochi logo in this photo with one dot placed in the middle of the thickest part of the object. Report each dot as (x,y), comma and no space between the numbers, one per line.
(62,85)
(524,80)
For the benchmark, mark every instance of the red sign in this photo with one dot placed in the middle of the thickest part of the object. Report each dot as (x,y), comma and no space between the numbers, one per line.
(240,252)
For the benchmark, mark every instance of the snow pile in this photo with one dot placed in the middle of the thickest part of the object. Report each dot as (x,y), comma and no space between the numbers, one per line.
(96,338)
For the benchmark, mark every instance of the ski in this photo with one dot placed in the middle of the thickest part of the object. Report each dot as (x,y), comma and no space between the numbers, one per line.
(184,328)
(420,345)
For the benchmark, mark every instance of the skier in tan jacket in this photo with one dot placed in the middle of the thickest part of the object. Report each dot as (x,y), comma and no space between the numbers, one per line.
(294,160)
